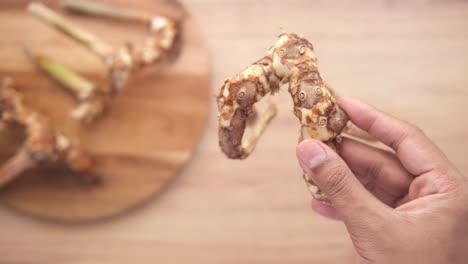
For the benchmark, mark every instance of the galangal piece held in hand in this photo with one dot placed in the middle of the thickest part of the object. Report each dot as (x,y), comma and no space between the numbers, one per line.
(290,60)
(44,144)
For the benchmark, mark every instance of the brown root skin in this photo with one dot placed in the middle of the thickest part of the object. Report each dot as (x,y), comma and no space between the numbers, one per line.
(338,120)
(41,138)
(230,140)
(243,94)
(43,143)
(290,60)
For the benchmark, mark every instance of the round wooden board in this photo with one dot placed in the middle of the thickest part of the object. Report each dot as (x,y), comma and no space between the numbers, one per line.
(149,133)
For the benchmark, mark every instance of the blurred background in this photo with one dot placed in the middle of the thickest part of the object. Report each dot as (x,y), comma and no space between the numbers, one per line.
(409,58)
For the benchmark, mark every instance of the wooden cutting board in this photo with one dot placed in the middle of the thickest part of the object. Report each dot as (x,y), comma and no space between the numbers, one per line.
(149,133)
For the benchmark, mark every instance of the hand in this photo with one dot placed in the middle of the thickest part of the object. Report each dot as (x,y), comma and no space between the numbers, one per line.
(405,206)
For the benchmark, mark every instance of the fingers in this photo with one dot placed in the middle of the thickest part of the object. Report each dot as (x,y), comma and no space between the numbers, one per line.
(380,171)
(336,181)
(354,131)
(377,170)
(331,213)
(415,151)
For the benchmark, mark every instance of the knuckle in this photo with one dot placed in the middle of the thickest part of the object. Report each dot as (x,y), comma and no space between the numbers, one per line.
(415,130)
(441,169)
(409,130)
(377,225)
(447,181)
(369,232)
(371,225)
(464,199)
(380,222)
(337,180)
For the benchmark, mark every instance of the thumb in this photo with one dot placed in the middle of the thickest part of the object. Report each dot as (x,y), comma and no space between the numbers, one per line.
(337,182)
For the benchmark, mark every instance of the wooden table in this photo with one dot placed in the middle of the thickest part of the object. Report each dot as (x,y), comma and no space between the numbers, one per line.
(408,59)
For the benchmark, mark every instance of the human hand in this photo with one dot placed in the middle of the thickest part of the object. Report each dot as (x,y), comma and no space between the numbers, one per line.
(405,206)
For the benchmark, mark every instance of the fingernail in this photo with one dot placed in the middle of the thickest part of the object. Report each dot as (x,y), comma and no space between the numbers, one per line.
(311,154)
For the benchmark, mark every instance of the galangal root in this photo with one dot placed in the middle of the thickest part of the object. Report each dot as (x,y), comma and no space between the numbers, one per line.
(43,143)
(122,61)
(290,60)
(92,99)
(162,30)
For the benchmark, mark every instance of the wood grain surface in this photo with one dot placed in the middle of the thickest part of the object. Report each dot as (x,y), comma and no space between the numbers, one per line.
(139,145)
(405,57)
